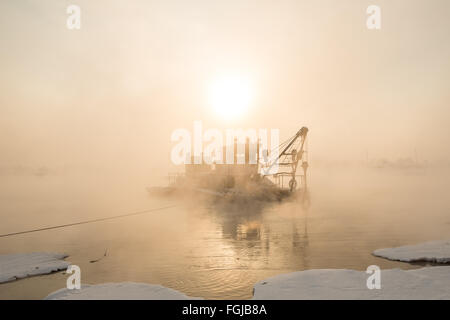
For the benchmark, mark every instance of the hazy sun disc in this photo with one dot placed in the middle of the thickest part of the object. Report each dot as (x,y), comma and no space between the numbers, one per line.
(230,96)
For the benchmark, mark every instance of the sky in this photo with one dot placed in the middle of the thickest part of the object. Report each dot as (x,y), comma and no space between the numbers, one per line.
(110,94)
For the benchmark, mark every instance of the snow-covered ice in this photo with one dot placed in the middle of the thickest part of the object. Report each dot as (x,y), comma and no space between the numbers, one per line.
(332,284)
(16,266)
(119,291)
(434,251)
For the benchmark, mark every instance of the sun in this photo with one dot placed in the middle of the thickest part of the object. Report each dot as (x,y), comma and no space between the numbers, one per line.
(230,96)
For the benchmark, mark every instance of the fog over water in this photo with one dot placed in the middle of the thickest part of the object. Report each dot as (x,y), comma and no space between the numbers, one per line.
(216,252)
(86,118)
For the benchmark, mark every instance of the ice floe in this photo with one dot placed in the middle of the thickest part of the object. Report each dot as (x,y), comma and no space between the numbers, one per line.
(16,266)
(333,284)
(434,251)
(119,291)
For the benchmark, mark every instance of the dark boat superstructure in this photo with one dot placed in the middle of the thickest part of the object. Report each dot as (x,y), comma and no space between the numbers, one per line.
(273,179)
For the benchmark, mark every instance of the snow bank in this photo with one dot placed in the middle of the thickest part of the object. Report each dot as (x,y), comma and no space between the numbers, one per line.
(119,291)
(332,284)
(435,251)
(16,266)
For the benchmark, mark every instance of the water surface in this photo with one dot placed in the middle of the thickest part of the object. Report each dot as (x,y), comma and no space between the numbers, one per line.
(215,252)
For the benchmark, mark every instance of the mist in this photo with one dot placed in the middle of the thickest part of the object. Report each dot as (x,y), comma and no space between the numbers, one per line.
(110,94)
(87,117)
